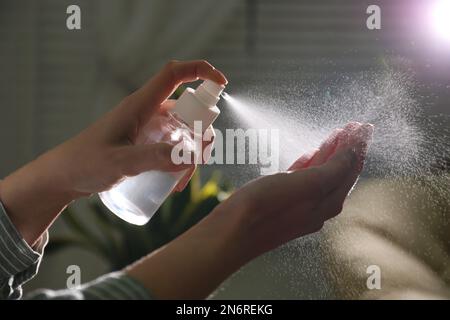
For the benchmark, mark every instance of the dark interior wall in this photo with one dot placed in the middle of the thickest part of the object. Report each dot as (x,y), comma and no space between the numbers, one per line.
(46,77)
(49,76)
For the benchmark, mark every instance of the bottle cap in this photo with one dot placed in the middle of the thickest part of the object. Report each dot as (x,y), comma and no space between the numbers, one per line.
(200,104)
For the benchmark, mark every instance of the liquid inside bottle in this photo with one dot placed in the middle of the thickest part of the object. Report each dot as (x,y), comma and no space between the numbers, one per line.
(136,199)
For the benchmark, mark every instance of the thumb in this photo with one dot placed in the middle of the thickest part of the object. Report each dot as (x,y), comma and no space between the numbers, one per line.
(140,158)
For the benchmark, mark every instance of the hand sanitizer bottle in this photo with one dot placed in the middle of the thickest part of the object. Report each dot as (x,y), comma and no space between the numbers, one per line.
(136,199)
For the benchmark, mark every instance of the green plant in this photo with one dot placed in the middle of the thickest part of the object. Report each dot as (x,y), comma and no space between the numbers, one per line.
(121,243)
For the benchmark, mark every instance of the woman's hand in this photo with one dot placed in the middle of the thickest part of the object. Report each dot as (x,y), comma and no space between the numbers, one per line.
(275,209)
(258,217)
(100,156)
(104,153)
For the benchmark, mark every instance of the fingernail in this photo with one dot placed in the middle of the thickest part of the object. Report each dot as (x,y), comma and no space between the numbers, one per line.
(353,125)
(369,128)
(365,132)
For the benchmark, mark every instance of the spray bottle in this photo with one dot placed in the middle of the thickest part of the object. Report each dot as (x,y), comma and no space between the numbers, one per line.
(136,199)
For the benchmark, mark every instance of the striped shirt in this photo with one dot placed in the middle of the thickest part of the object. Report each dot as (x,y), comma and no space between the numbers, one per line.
(19,263)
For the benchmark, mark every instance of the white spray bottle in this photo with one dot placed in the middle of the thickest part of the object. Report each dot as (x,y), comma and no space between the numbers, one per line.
(136,199)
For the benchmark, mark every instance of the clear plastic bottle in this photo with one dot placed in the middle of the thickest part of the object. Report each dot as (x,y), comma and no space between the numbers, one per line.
(136,199)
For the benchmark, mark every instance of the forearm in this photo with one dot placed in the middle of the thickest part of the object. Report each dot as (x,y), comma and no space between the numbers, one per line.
(196,263)
(33,197)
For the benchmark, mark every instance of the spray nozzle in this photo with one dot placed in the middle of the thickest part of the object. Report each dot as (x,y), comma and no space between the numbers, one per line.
(199,104)
(224,95)
(212,87)
(209,92)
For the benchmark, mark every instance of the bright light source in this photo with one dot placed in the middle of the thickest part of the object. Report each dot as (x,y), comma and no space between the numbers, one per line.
(440,19)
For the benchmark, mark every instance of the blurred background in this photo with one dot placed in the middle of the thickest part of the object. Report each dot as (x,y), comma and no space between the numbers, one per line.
(54,82)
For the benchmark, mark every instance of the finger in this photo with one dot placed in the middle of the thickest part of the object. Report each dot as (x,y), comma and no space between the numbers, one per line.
(317,182)
(347,136)
(330,175)
(322,154)
(348,159)
(334,203)
(161,87)
(140,158)
(167,105)
(324,179)
(360,135)
(185,179)
(303,161)
(326,149)
(351,126)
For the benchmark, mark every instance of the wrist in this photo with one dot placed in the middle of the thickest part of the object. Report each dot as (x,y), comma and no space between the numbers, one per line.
(231,238)
(196,263)
(241,229)
(33,196)
(50,173)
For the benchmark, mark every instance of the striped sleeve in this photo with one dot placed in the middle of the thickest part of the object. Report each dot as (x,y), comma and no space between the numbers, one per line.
(18,261)
(113,286)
